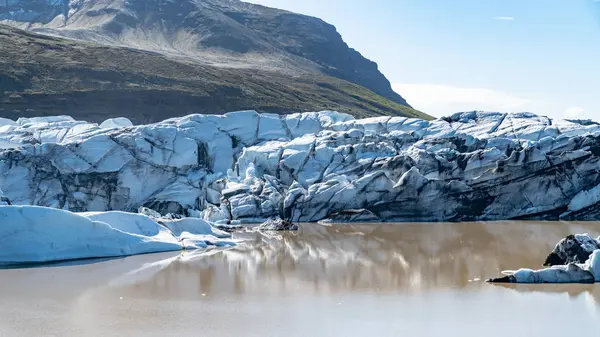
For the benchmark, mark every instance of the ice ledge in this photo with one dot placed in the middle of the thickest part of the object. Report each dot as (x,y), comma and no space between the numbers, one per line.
(31,234)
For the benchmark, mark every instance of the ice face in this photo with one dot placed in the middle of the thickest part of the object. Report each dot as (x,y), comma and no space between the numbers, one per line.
(309,166)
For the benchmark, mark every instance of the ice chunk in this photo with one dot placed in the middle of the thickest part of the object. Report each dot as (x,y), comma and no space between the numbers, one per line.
(37,234)
(570,273)
(115,123)
(32,234)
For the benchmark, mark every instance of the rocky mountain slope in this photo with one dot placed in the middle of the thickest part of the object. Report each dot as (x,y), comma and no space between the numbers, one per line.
(310,167)
(240,39)
(41,76)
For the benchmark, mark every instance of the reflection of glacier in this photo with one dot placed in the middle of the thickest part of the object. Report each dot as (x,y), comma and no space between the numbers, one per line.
(391,258)
(590,292)
(309,166)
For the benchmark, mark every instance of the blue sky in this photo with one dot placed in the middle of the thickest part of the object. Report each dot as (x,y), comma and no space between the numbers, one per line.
(444,56)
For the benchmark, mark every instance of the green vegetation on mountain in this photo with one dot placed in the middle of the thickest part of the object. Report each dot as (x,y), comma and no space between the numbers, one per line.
(42,75)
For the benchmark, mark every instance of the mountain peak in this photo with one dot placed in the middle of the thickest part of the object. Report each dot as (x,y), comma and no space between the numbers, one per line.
(227,33)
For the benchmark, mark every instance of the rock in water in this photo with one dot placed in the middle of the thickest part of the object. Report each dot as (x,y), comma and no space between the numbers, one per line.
(277,225)
(503,279)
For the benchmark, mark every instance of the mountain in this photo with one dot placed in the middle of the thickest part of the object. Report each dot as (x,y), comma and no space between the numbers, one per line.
(229,39)
(42,76)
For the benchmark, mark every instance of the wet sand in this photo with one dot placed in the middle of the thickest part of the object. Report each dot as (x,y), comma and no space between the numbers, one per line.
(422,279)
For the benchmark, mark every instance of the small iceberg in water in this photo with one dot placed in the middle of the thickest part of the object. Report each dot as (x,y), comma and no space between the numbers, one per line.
(33,234)
(580,258)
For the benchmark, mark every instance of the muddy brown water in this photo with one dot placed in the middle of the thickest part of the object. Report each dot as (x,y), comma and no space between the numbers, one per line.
(413,279)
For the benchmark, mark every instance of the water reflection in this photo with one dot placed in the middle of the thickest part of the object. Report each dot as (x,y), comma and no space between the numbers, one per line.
(370,279)
(405,258)
(590,292)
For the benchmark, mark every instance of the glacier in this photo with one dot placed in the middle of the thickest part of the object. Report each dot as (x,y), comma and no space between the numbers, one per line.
(309,167)
(4,200)
(34,234)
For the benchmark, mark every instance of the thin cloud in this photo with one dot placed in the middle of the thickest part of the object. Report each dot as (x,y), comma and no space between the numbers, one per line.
(504,18)
(441,100)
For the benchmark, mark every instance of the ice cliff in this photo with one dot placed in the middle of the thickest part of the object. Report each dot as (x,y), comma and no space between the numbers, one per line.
(309,167)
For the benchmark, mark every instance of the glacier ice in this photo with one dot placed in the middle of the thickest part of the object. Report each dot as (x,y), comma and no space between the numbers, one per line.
(33,234)
(572,249)
(277,225)
(115,123)
(588,272)
(570,273)
(3,200)
(309,166)
(575,259)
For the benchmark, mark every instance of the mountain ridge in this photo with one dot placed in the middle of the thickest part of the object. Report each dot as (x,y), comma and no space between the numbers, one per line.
(42,75)
(239,56)
(218,31)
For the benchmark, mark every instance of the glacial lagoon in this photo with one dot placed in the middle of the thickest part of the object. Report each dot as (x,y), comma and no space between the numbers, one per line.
(393,279)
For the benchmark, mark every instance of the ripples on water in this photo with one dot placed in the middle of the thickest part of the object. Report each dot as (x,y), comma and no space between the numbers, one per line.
(412,259)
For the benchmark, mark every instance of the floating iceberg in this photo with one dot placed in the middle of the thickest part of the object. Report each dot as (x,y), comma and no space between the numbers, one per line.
(589,272)
(580,255)
(572,249)
(32,234)
(310,167)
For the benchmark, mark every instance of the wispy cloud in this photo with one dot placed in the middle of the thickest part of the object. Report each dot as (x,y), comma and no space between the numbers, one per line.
(440,100)
(504,18)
